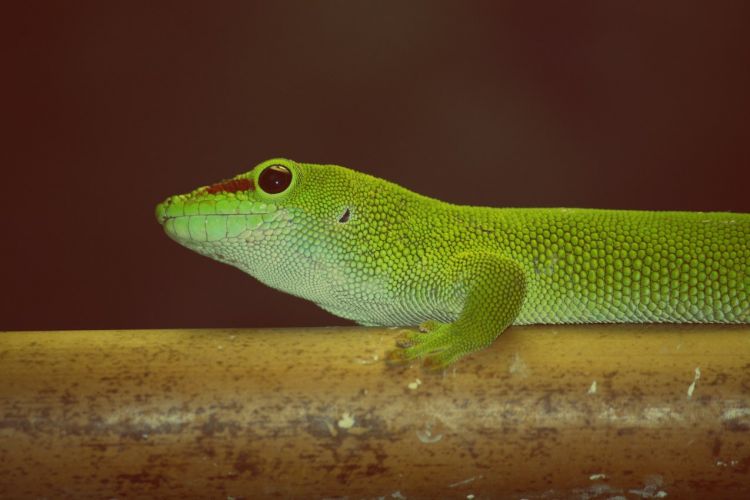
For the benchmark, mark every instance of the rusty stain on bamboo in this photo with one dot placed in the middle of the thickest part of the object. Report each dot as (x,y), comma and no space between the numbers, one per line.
(646,411)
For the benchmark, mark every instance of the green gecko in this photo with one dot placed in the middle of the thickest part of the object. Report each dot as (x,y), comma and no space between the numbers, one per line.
(371,251)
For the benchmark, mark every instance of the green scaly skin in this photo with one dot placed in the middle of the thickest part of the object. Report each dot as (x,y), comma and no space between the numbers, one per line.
(373,252)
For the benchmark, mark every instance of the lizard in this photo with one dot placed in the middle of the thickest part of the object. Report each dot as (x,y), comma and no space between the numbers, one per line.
(371,251)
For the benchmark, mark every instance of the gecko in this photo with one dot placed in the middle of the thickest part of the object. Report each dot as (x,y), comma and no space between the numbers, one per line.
(371,251)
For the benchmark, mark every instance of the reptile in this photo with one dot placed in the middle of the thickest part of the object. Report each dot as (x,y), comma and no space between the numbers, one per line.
(371,251)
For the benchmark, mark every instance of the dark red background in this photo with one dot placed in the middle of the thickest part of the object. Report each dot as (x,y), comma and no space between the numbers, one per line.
(110,107)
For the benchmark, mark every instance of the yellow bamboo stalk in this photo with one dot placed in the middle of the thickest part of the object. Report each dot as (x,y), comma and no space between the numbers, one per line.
(546,412)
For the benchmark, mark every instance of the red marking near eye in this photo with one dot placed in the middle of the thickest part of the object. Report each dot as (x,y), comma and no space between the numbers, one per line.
(231,186)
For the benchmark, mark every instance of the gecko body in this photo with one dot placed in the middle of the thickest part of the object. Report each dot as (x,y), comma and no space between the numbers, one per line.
(371,251)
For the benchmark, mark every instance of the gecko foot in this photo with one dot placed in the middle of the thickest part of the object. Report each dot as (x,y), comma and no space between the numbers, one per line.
(439,347)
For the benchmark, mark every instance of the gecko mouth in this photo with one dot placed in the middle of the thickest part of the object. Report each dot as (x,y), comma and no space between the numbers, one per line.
(212,220)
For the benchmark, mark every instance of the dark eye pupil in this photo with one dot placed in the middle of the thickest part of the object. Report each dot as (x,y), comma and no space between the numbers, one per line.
(275,179)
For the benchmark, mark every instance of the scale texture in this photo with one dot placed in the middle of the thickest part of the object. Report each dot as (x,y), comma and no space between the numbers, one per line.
(371,251)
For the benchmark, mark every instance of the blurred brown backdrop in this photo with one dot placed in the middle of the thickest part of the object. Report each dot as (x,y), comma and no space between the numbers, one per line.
(111,106)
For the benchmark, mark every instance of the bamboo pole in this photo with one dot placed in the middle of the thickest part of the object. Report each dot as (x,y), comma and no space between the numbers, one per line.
(642,411)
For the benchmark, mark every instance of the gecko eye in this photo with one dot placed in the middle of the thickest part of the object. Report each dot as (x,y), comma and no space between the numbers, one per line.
(275,179)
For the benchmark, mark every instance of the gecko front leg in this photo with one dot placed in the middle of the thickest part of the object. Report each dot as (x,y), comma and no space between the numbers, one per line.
(494,288)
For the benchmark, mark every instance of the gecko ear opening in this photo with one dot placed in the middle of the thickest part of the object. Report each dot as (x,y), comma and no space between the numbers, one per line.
(345,216)
(275,179)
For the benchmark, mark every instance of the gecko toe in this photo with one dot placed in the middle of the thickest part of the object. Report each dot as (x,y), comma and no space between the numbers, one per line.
(408,338)
(396,357)
(429,326)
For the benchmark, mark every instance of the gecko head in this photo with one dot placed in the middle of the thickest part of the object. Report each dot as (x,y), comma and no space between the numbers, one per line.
(280,222)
